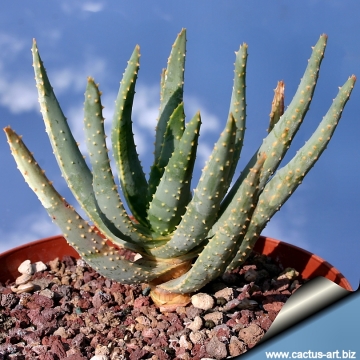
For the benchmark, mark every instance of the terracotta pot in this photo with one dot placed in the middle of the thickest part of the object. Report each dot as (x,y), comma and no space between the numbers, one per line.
(308,264)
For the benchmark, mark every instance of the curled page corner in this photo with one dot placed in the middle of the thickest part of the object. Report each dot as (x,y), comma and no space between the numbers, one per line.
(310,298)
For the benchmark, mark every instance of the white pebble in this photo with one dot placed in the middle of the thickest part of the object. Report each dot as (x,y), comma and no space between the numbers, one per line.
(47,292)
(25,267)
(202,301)
(196,324)
(102,350)
(217,317)
(24,278)
(184,343)
(80,262)
(100,357)
(226,293)
(39,266)
(197,337)
(23,288)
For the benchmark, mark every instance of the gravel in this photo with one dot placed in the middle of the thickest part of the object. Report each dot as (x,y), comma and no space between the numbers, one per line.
(73,313)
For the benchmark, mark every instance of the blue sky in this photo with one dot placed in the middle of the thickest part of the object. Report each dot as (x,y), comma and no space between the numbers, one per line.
(84,38)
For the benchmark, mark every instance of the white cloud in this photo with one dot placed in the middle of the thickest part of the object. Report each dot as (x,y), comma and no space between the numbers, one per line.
(92,6)
(10,45)
(29,228)
(52,35)
(75,77)
(146,107)
(74,6)
(144,114)
(203,153)
(75,116)
(209,122)
(18,95)
(163,15)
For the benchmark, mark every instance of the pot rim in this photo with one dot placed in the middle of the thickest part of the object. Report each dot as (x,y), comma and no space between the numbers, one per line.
(308,264)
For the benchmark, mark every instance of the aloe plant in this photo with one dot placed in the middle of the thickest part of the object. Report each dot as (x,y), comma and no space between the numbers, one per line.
(184,239)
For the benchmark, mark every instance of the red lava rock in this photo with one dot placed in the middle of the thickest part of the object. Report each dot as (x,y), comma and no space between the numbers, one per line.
(275,306)
(99,339)
(22,320)
(162,341)
(232,304)
(222,332)
(251,335)
(69,261)
(33,306)
(74,321)
(180,352)
(36,318)
(245,268)
(8,300)
(231,322)
(49,314)
(84,304)
(138,354)
(75,357)
(116,333)
(192,312)
(48,356)
(40,301)
(58,321)
(39,349)
(274,295)
(245,291)
(246,316)
(61,291)
(78,283)
(57,348)
(85,294)
(66,307)
(6,290)
(79,341)
(141,301)
(236,346)
(100,298)
(162,355)
(150,333)
(88,276)
(31,338)
(129,321)
(272,315)
(199,352)
(163,325)
(171,330)
(264,322)
(216,348)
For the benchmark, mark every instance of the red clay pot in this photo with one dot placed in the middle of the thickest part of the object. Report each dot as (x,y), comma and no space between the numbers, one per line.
(308,264)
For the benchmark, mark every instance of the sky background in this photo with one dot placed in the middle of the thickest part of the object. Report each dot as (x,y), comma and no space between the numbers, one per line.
(84,38)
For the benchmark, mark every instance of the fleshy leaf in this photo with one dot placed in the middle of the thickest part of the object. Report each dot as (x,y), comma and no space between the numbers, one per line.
(132,177)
